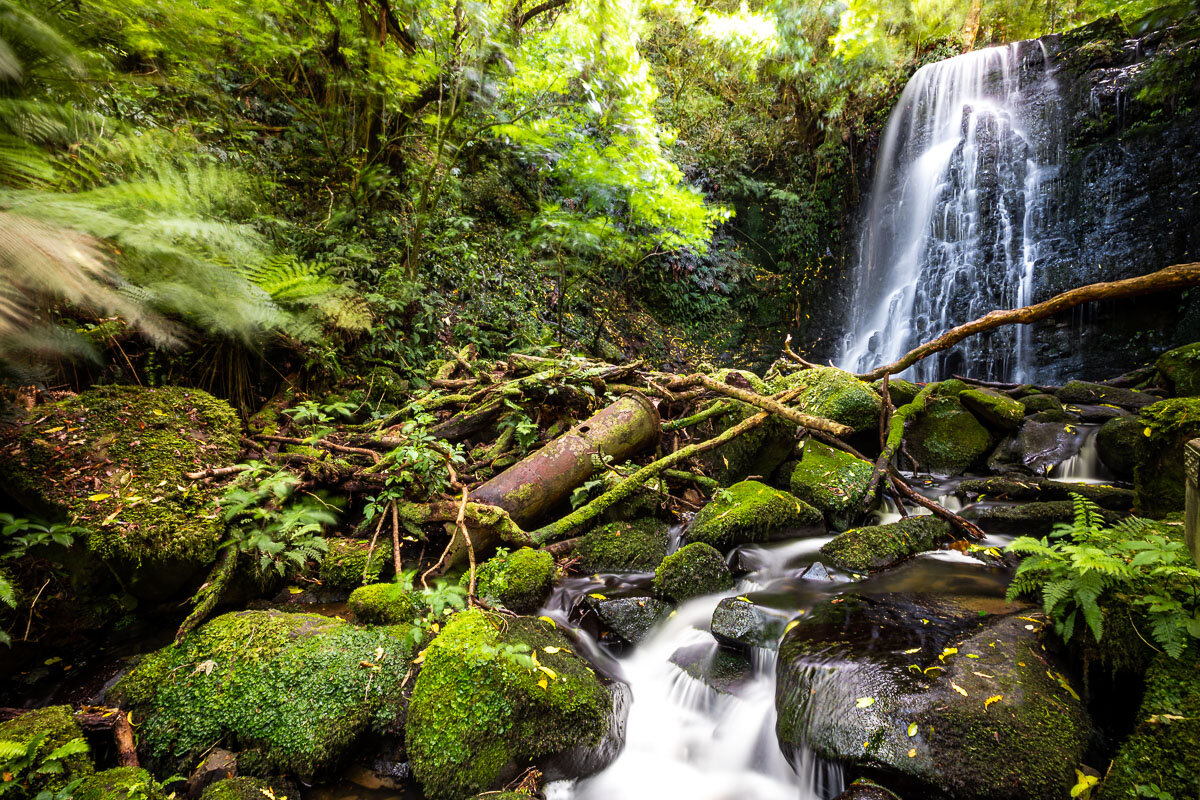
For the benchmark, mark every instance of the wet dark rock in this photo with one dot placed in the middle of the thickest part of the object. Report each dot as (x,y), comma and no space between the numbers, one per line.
(875,547)
(722,670)
(1099,394)
(1025,519)
(1096,414)
(1119,444)
(1036,448)
(740,622)
(629,618)
(218,765)
(1034,488)
(866,790)
(816,571)
(937,696)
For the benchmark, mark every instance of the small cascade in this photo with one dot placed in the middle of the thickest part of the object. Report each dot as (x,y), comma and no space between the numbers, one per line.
(957,212)
(1085,466)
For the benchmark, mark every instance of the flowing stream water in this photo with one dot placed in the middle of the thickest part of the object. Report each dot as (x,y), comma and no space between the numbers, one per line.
(956,215)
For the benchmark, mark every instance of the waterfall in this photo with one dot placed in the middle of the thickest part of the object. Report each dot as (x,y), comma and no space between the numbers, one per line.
(957,213)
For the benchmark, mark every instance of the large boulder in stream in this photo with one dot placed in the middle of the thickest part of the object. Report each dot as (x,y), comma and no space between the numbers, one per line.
(995,409)
(1119,443)
(1179,369)
(1099,394)
(751,512)
(636,546)
(628,619)
(691,571)
(114,459)
(876,547)
(258,680)
(499,694)
(832,481)
(945,438)
(1158,479)
(1044,440)
(937,696)
(833,394)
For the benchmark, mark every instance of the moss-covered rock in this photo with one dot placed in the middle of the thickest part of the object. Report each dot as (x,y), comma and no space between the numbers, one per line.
(947,696)
(482,711)
(993,408)
(1158,479)
(1026,519)
(346,567)
(900,391)
(833,394)
(875,547)
(1162,748)
(693,570)
(831,481)
(1041,402)
(1099,394)
(384,604)
(120,783)
(756,452)
(519,580)
(946,438)
(1003,487)
(750,512)
(638,546)
(257,680)
(1120,443)
(245,788)
(41,732)
(1179,369)
(114,459)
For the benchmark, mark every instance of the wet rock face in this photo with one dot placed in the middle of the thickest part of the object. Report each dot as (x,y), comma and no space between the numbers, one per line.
(939,697)
(741,623)
(629,618)
(1040,444)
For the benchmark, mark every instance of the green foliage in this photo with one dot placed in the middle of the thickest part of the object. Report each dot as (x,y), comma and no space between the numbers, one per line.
(1079,563)
(42,749)
(18,536)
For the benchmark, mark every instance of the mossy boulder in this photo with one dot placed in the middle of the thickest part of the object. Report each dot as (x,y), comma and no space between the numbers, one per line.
(114,458)
(1041,402)
(945,438)
(1026,519)
(45,730)
(120,783)
(1120,443)
(947,696)
(257,680)
(482,710)
(900,391)
(1162,748)
(384,604)
(833,394)
(756,452)
(1099,394)
(1179,369)
(519,580)
(692,570)
(245,788)
(750,512)
(876,547)
(831,481)
(637,546)
(347,564)
(993,408)
(1158,479)
(1007,487)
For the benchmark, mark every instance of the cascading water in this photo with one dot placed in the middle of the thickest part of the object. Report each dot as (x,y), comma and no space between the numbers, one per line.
(957,213)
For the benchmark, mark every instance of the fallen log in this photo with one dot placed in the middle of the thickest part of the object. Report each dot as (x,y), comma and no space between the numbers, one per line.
(1180,276)
(765,403)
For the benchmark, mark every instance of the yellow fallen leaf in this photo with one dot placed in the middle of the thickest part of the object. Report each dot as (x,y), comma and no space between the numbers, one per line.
(912,650)
(864,702)
(791,625)
(542,683)
(949,651)
(959,689)
(547,619)
(912,729)
(96,498)
(551,650)
(597,595)
(744,599)
(912,753)
(934,667)
(53,430)
(1146,432)
(996,698)
(551,673)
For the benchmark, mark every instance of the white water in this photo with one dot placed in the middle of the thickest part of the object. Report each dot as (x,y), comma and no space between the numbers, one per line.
(1085,466)
(956,206)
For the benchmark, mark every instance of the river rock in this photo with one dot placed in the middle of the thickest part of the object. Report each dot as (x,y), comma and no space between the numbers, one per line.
(1006,487)
(1099,394)
(249,788)
(257,681)
(723,670)
(46,730)
(864,789)
(832,481)
(1041,402)
(384,604)
(741,623)
(757,452)
(481,712)
(636,546)
(1158,479)
(629,618)
(833,394)
(519,580)
(946,439)
(1096,415)
(120,783)
(993,408)
(114,459)
(692,570)
(1026,519)
(1179,369)
(877,547)
(1119,443)
(1036,448)
(951,696)
(752,512)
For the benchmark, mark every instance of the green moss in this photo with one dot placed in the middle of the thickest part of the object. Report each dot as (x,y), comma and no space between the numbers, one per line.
(833,394)
(1158,479)
(384,604)
(832,481)
(950,388)
(1162,748)
(946,438)
(693,570)
(874,547)
(344,565)
(756,452)
(481,710)
(114,458)
(637,546)
(52,727)
(900,391)
(243,788)
(1180,369)
(257,680)
(520,581)
(750,512)
(994,408)
(1041,402)
(120,783)
(1099,394)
